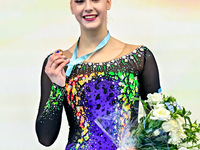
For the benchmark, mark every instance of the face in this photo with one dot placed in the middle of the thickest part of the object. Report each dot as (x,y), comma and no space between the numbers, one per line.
(90,14)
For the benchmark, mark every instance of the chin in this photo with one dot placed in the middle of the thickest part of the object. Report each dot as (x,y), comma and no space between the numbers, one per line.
(91,27)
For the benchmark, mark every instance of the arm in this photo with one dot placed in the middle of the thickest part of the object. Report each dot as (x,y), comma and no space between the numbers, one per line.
(51,102)
(149,76)
(150,81)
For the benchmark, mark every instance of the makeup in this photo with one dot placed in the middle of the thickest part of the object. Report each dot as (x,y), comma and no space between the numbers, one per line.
(58,51)
(90,17)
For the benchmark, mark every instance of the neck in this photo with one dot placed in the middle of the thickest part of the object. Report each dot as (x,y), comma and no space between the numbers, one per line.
(90,39)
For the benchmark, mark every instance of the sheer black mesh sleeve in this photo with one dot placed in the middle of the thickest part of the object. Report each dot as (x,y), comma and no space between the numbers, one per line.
(149,77)
(50,110)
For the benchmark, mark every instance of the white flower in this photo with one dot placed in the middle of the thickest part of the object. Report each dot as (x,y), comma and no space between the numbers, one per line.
(186,144)
(159,105)
(180,120)
(174,138)
(175,130)
(170,125)
(160,113)
(180,133)
(155,98)
(156,132)
(183,148)
(198,135)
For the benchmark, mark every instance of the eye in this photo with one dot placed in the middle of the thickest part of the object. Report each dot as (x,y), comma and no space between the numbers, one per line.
(79,1)
(95,0)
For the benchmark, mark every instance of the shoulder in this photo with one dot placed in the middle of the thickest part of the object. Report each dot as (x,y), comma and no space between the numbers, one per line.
(134,49)
(139,49)
(140,53)
(125,47)
(130,47)
(69,52)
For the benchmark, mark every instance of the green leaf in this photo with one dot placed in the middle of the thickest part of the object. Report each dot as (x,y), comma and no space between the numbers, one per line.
(184,112)
(189,113)
(158,124)
(188,118)
(151,123)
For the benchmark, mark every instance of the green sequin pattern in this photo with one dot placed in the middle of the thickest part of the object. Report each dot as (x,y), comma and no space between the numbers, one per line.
(54,103)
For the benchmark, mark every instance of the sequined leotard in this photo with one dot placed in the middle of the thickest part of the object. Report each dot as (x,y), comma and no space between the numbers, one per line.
(93,90)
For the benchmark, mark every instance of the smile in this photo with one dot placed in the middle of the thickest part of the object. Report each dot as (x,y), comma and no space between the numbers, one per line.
(90,17)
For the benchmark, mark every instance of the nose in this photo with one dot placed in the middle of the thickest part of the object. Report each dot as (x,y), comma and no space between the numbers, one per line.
(88,6)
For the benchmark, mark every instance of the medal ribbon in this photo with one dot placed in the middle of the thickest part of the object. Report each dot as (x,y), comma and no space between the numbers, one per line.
(74,60)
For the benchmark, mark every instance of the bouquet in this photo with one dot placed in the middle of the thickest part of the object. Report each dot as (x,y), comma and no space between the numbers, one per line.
(167,126)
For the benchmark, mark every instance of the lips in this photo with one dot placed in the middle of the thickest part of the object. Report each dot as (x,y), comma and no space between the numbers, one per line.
(90,17)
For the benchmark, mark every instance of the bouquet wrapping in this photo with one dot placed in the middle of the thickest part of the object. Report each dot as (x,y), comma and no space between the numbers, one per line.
(167,126)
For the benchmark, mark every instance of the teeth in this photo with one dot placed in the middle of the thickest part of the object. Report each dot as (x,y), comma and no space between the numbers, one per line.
(89,17)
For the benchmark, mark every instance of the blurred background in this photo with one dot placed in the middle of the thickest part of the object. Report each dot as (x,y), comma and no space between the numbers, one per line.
(30,30)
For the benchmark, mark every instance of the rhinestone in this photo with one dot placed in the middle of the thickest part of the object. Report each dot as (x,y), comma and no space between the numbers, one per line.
(75,78)
(141,49)
(134,51)
(90,63)
(79,66)
(112,61)
(94,66)
(120,84)
(115,64)
(126,60)
(124,57)
(108,65)
(139,55)
(131,57)
(100,64)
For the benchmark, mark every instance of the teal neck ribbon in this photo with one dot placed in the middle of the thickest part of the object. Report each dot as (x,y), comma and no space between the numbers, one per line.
(74,60)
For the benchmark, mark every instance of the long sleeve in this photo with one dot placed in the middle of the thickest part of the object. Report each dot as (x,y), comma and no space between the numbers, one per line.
(50,110)
(149,77)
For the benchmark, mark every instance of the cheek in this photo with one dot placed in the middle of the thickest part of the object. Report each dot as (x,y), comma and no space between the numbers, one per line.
(78,14)
(103,12)
(78,18)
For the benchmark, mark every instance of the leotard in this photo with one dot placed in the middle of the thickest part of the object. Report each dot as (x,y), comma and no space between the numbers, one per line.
(93,90)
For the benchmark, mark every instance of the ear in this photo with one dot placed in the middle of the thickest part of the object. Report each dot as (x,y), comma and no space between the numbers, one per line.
(108,4)
(71,7)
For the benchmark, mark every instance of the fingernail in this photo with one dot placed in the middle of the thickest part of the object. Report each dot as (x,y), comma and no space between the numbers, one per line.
(59,51)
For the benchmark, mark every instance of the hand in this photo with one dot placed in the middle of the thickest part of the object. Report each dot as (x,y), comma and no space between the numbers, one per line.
(131,149)
(54,68)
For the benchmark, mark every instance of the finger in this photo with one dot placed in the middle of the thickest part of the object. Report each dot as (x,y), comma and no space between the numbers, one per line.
(53,58)
(62,65)
(56,63)
(59,51)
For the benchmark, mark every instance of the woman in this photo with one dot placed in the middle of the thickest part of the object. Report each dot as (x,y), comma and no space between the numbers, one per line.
(95,84)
